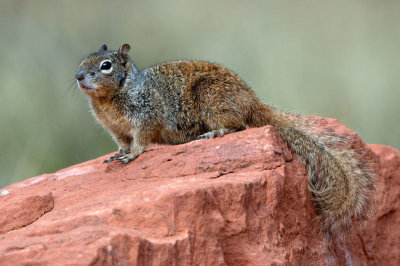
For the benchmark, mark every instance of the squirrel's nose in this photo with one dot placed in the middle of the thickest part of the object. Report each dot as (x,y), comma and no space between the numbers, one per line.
(80,76)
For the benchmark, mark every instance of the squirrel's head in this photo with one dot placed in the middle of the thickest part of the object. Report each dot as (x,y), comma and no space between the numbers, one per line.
(100,73)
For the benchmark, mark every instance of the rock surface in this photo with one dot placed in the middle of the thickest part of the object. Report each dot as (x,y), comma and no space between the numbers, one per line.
(237,200)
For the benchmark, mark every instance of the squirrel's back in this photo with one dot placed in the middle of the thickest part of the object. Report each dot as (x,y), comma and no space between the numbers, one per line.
(207,95)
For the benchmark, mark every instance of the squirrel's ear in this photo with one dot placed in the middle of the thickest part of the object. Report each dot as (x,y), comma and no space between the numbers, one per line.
(103,48)
(123,53)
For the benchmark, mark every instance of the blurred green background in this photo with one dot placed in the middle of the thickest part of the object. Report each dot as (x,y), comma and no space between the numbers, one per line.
(328,58)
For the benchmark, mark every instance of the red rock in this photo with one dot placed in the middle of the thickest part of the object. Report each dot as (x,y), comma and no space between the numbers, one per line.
(237,200)
(20,214)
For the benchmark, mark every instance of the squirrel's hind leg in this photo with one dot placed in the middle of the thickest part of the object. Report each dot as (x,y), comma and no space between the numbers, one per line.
(215,133)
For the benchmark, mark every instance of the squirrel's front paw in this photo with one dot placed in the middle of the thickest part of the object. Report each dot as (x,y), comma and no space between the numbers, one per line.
(128,157)
(116,156)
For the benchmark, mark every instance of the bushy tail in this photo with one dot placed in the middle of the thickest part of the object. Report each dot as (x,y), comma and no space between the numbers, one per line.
(341,182)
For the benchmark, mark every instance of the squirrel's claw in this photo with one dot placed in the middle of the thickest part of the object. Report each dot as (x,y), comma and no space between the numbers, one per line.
(108,160)
(111,158)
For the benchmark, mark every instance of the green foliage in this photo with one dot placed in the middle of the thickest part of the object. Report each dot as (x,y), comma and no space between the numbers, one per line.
(329,58)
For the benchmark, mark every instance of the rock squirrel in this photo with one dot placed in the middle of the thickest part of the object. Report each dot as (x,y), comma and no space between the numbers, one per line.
(180,101)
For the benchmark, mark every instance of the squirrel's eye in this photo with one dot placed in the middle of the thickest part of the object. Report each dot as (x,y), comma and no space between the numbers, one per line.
(106,66)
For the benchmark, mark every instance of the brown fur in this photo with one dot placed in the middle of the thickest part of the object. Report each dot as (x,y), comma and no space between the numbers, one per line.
(177,102)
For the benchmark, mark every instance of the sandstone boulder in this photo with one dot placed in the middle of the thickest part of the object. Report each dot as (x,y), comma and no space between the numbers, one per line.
(241,199)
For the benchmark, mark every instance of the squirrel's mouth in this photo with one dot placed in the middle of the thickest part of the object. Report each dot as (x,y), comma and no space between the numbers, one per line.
(85,88)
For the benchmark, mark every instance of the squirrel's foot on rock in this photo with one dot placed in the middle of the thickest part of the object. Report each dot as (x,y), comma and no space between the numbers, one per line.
(215,133)
(127,158)
(116,156)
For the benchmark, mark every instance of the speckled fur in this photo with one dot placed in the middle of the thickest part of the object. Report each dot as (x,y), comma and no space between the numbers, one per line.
(176,102)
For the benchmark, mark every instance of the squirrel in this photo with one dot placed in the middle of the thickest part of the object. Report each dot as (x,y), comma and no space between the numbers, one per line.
(180,101)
